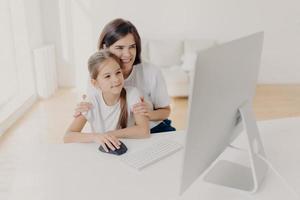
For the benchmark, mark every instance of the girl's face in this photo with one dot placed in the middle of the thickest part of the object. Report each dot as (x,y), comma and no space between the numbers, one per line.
(110,78)
(125,49)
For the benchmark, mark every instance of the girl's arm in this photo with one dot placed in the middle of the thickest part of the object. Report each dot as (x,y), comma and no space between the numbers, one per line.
(139,130)
(74,134)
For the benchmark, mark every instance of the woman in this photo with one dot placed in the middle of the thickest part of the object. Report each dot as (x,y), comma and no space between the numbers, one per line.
(121,38)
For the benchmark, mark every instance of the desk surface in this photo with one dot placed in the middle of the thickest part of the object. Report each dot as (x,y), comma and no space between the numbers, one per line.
(80,171)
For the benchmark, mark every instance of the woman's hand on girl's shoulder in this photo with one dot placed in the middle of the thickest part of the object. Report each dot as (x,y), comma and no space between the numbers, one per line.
(142,108)
(83,106)
(107,140)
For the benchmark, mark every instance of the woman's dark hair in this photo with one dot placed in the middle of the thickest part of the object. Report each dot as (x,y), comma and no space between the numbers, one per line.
(117,29)
(94,64)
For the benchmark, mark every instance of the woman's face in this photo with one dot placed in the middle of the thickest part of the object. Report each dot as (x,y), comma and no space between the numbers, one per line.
(125,49)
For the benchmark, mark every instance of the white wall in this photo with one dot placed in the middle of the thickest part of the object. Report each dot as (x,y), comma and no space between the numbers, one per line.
(53,34)
(84,46)
(43,23)
(221,20)
(34,23)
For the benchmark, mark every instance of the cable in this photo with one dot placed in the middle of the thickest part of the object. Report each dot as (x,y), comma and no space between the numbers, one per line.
(271,166)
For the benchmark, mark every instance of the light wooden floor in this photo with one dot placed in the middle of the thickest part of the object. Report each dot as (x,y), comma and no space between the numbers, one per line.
(47,120)
(270,102)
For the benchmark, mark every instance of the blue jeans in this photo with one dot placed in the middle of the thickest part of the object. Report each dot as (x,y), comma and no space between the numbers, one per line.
(164,126)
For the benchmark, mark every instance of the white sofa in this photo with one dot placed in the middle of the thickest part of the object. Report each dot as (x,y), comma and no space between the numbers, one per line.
(177,59)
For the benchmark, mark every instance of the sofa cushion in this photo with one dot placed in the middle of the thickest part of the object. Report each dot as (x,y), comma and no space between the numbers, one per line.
(191,47)
(165,53)
(189,60)
(177,81)
(175,75)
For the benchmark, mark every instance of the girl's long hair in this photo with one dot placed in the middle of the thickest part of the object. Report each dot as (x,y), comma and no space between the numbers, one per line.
(94,64)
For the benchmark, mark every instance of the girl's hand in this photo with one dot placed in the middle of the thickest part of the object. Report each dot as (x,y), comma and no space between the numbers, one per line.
(142,108)
(83,106)
(106,140)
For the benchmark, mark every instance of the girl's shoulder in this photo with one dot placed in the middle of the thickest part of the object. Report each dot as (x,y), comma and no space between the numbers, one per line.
(93,95)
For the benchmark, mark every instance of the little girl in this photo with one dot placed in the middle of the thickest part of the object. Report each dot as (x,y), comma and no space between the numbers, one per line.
(111,117)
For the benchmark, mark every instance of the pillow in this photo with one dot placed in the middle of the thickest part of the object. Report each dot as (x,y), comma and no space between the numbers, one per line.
(165,53)
(189,60)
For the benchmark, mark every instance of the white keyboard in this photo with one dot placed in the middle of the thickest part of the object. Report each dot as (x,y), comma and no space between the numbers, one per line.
(151,154)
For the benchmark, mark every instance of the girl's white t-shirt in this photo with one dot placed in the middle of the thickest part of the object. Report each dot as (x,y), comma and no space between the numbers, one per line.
(151,84)
(104,118)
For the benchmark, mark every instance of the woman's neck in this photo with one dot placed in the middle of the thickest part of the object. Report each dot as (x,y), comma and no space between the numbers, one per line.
(127,73)
(110,99)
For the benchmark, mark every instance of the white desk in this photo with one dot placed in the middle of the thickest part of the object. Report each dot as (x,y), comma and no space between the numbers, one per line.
(80,171)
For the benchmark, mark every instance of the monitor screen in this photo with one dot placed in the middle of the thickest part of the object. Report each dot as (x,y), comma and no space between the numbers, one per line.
(224,81)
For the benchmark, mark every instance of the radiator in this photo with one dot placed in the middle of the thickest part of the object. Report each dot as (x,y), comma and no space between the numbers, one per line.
(45,70)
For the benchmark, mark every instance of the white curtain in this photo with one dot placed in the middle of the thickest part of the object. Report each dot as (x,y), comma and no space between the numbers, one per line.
(8,70)
(17,87)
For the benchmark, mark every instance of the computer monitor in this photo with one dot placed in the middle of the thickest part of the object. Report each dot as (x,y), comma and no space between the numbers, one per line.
(221,101)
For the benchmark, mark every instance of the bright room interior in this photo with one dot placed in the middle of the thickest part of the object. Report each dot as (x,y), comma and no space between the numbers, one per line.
(45,46)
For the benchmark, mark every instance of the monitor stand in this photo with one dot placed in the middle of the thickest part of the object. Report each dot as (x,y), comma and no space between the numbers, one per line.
(238,176)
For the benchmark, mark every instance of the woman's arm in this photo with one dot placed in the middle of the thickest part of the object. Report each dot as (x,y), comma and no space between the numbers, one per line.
(139,130)
(159,114)
(82,107)
(74,134)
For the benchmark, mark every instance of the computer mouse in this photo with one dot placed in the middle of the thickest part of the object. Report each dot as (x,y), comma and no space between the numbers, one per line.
(118,152)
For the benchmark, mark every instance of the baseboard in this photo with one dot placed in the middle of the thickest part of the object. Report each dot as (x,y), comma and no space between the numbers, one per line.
(19,112)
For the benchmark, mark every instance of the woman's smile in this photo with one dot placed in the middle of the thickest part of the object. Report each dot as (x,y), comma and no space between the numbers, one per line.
(127,60)
(114,86)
